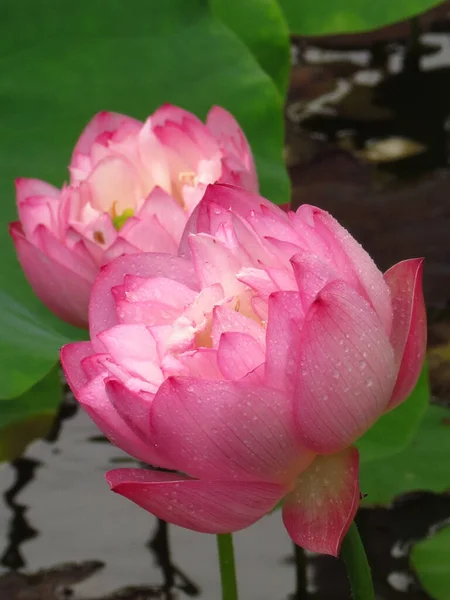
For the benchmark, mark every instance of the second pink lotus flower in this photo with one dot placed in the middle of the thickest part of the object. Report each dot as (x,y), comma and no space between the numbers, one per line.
(132,188)
(249,364)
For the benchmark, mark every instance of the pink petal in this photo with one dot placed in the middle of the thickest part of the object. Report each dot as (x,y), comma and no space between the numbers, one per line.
(233,143)
(232,198)
(120,247)
(114,183)
(72,356)
(98,406)
(25,188)
(214,263)
(79,262)
(134,408)
(197,363)
(204,506)
(160,289)
(284,326)
(321,508)
(35,211)
(175,137)
(170,113)
(226,319)
(226,430)
(146,313)
(167,210)
(148,235)
(354,256)
(151,154)
(409,326)
(63,291)
(103,122)
(102,313)
(311,274)
(345,372)
(238,354)
(134,348)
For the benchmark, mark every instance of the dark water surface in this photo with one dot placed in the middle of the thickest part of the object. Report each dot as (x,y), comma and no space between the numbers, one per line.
(76,517)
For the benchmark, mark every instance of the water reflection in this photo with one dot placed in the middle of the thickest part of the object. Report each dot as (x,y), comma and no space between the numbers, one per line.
(173,576)
(45,582)
(19,530)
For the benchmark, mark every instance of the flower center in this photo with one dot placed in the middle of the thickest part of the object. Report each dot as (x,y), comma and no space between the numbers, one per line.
(119,220)
(187,178)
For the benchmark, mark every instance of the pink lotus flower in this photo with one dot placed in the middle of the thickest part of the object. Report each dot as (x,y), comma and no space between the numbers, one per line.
(250,364)
(132,188)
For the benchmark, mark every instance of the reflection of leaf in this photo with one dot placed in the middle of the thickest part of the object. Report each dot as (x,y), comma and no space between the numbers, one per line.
(60,65)
(431,559)
(28,417)
(395,430)
(422,465)
(349,16)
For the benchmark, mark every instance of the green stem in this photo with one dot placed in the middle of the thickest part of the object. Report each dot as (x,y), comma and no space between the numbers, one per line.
(227,566)
(358,570)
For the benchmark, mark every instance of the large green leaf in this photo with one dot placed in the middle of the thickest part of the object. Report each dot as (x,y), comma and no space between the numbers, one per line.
(349,16)
(61,62)
(261,25)
(422,465)
(29,416)
(395,430)
(431,559)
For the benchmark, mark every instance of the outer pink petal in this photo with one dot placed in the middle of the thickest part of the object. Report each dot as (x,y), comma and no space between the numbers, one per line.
(63,291)
(95,401)
(104,122)
(134,408)
(239,354)
(223,430)
(284,326)
(321,508)
(409,326)
(35,211)
(76,259)
(72,356)
(25,188)
(102,313)
(204,506)
(346,370)
(175,114)
(234,145)
(369,276)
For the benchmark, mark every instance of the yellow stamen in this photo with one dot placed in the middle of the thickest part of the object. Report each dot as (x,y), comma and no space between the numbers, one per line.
(187,178)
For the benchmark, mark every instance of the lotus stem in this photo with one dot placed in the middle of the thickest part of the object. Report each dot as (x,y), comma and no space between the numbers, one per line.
(358,569)
(227,566)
